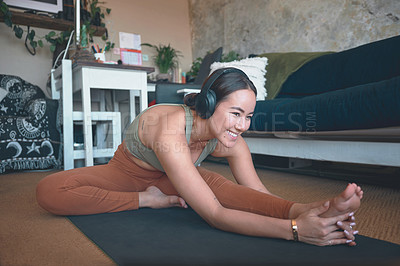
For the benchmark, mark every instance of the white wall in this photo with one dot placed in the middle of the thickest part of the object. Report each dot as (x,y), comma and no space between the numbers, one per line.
(157,21)
(16,60)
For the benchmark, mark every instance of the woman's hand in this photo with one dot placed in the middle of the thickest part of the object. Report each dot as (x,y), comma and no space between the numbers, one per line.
(348,227)
(315,230)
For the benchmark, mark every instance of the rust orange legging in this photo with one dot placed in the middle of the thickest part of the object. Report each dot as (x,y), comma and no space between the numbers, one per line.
(114,187)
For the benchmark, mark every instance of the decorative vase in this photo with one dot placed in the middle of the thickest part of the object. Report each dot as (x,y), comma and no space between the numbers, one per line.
(163,77)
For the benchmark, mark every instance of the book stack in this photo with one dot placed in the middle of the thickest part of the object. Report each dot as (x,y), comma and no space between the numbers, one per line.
(178,76)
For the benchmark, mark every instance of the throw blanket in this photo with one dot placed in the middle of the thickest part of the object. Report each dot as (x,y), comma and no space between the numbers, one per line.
(29,132)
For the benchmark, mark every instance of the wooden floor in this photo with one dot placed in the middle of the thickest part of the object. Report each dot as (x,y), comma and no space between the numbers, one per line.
(31,236)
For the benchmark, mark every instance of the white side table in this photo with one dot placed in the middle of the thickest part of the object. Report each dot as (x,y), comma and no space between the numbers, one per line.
(92,75)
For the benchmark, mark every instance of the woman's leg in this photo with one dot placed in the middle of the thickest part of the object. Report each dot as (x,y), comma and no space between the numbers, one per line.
(97,189)
(239,197)
(234,196)
(89,190)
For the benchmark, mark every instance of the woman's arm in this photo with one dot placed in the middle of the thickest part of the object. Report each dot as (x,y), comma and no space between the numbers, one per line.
(241,164)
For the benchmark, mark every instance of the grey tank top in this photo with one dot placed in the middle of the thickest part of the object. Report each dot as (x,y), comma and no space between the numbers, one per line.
(136,147)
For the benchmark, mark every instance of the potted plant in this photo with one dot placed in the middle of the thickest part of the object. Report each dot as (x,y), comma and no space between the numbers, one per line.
(166,59)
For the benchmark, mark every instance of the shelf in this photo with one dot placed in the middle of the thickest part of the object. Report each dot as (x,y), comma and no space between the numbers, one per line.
(80,63)
(45,22)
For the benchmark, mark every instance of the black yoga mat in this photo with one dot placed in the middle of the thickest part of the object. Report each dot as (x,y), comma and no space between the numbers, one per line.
(178,236)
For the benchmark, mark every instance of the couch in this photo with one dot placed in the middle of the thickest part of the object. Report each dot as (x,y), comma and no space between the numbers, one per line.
(29,128)
(342,106)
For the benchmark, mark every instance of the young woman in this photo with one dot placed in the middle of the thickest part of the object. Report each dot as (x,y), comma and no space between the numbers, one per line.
(156,166)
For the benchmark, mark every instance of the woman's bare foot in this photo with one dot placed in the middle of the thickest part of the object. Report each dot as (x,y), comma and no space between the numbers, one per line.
(347,201)
(152,197)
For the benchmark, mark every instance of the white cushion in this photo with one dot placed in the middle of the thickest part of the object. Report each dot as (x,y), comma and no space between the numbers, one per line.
(254,69)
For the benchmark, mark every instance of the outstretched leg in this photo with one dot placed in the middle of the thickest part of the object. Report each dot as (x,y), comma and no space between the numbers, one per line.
(234,196)
(238,197)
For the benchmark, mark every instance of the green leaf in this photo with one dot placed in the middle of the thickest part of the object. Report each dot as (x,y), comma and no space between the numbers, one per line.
(8,21)
(51,34)
(63,34)
(18,32)
(60,40)
(40,42)
(108,10)
(66,34)
(33,44)
(6,13)
(4,9)
(52,48)
(31,35)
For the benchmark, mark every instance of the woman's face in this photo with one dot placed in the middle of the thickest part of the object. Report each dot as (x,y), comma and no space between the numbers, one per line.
(232,116)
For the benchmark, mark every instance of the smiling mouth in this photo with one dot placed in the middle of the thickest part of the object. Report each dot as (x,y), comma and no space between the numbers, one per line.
(233,135)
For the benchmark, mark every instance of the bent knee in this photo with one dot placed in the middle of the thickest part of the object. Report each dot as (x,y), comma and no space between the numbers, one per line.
(47,196)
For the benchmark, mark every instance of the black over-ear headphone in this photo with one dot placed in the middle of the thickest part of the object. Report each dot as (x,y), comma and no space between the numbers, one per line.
(206,100)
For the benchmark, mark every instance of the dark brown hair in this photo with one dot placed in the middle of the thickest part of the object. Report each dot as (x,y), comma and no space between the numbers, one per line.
(223,86)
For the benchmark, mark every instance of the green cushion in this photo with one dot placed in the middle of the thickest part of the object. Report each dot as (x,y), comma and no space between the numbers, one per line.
(282,65)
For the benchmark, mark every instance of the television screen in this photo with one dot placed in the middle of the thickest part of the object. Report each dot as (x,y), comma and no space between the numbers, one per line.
(50,6)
